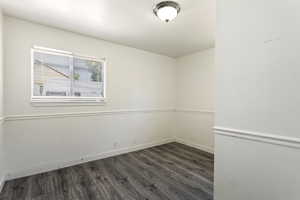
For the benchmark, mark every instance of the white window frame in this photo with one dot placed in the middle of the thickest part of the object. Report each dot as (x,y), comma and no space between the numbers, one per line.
(65,99)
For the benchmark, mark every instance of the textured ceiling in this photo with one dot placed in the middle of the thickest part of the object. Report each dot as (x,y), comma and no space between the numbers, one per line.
(127,22)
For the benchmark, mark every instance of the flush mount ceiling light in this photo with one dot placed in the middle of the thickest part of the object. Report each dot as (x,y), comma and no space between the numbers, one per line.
(167,10)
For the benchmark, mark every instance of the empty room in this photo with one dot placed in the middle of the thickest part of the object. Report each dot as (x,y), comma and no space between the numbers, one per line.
(149,100)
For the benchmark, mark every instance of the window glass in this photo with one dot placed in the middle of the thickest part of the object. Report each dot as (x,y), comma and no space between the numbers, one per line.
(88,78)
(51,75)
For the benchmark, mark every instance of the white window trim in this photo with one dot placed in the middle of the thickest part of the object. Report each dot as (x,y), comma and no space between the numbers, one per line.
(68,100)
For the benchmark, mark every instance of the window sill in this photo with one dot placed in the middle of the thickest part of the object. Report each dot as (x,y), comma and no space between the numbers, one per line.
(45,102)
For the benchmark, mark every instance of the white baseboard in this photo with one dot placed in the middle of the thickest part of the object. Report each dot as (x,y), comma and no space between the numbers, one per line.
(2,182)
(62,164)
(197,146)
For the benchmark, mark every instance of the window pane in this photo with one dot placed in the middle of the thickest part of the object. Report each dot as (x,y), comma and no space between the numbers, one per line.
(51,75)
(88,78)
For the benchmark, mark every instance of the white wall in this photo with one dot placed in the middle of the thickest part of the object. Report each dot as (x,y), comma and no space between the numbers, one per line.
(257,57)
(2,161)
(195,77)
(138,81)
(143,91)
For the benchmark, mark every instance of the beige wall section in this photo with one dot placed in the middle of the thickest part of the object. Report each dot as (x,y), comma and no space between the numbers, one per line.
(258,66)
(1,63)
(195,77)
(251,170)
(2,160)
(257,56)
(136,80)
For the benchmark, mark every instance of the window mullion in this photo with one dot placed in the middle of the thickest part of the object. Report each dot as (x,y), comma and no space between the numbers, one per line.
(71,75)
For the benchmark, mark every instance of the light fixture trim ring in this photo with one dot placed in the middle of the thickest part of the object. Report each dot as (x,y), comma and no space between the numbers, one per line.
(162,4)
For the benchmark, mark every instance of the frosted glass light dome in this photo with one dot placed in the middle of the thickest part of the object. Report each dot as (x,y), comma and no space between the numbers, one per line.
(167,10)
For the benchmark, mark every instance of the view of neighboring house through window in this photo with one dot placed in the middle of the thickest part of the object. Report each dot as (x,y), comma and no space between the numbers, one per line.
(64,75)
(88,78)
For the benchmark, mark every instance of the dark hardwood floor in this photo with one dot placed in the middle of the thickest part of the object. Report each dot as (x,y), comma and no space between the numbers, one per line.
(168,172)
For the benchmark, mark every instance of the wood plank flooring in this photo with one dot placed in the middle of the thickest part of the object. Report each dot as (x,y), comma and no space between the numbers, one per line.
(168,172)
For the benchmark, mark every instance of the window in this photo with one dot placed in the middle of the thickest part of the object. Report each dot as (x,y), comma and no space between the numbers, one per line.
(59,76)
